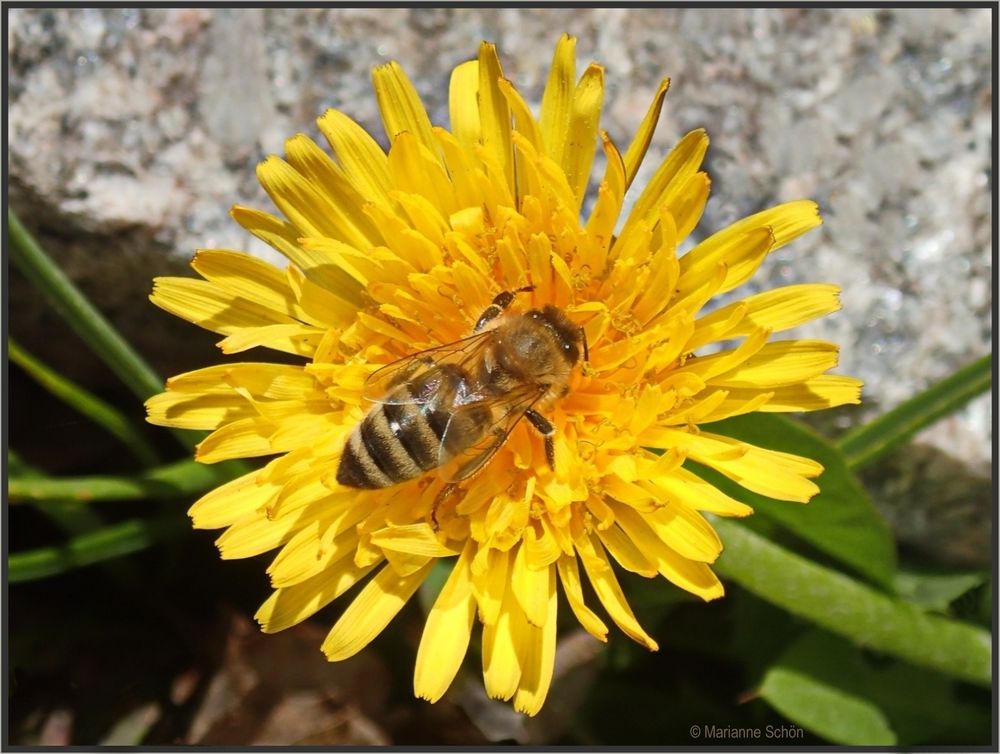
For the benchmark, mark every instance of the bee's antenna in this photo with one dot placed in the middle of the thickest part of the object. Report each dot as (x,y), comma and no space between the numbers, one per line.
(586,353)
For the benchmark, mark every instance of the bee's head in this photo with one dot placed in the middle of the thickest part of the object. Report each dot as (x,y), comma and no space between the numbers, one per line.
(568,335)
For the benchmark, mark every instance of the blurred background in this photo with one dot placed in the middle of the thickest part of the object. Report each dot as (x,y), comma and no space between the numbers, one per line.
(132,131)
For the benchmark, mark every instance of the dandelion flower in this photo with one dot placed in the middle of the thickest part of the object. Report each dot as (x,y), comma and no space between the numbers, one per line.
(395,252)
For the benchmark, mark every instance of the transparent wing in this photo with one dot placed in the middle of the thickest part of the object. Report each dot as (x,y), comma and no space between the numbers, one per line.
(507,411)
(426,372)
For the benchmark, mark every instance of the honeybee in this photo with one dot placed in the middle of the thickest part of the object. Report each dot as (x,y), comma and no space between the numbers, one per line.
(462,400)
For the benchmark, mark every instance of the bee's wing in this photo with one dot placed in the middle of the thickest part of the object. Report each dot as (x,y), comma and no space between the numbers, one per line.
(508,411)
(420,371)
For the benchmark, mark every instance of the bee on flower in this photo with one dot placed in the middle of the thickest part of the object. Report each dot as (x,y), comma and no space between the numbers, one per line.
(486,377)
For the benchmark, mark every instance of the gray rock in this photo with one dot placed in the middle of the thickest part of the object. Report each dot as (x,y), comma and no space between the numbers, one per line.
(133,131)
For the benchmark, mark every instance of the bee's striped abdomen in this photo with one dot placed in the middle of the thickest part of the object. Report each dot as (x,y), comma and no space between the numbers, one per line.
(395,442)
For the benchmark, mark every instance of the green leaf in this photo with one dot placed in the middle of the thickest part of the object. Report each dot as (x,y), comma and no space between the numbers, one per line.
(802,687)
(94,547)
(178,479)
(869,442)
(831,688)
(852,609)
(936,590)
(101,413)
(840,521)
(942,711)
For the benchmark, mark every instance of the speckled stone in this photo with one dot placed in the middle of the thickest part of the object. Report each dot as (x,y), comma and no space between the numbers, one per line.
(133,131)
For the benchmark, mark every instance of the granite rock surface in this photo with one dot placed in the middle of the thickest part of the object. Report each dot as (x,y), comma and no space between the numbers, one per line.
(132,132)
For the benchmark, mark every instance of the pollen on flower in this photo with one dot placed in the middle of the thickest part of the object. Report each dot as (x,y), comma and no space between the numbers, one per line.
(401,434)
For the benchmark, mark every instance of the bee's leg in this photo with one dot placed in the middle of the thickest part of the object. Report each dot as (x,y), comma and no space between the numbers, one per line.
(500,302)
(441,497)
(544,426)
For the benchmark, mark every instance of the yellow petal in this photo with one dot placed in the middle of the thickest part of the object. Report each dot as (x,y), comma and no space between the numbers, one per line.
(293,604)
(446,631)
(244,438)
(345,201)
(774,310)
(503,646)
(524,121)
(400,105)
(689,205)
(557,100)
(768,472)
(490,585)
(527,129)
(417,170)
(212,307)
(258,534)
(694,577)
(783,223)
(578,158)
(685,531)
(541,550)
(625,552)
(417,539)
(699,495)
(640,143)
(285,238)
(300,200)
(300,340)
(309,553)
(463,104)
(247,277)
(319,304)
(724,406)
(530,587)
(740,255)
(363,160)
(192,411)
(463,175)
(425,216)
(775,365)
(663,272)
(708,368)
(231,501)
(371,611)
(261,379)
(825,391)
(358,265)
(569,575)
(311,426)
(668,183)
(494,113)
(603,579)
(538,660)
(604,218)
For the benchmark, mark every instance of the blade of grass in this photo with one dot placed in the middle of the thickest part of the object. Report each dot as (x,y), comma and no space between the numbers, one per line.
(84,319)
(79,313)
(101,413)
(851,609)
(95,547)
(69,516)
(871,441)
(171,481)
